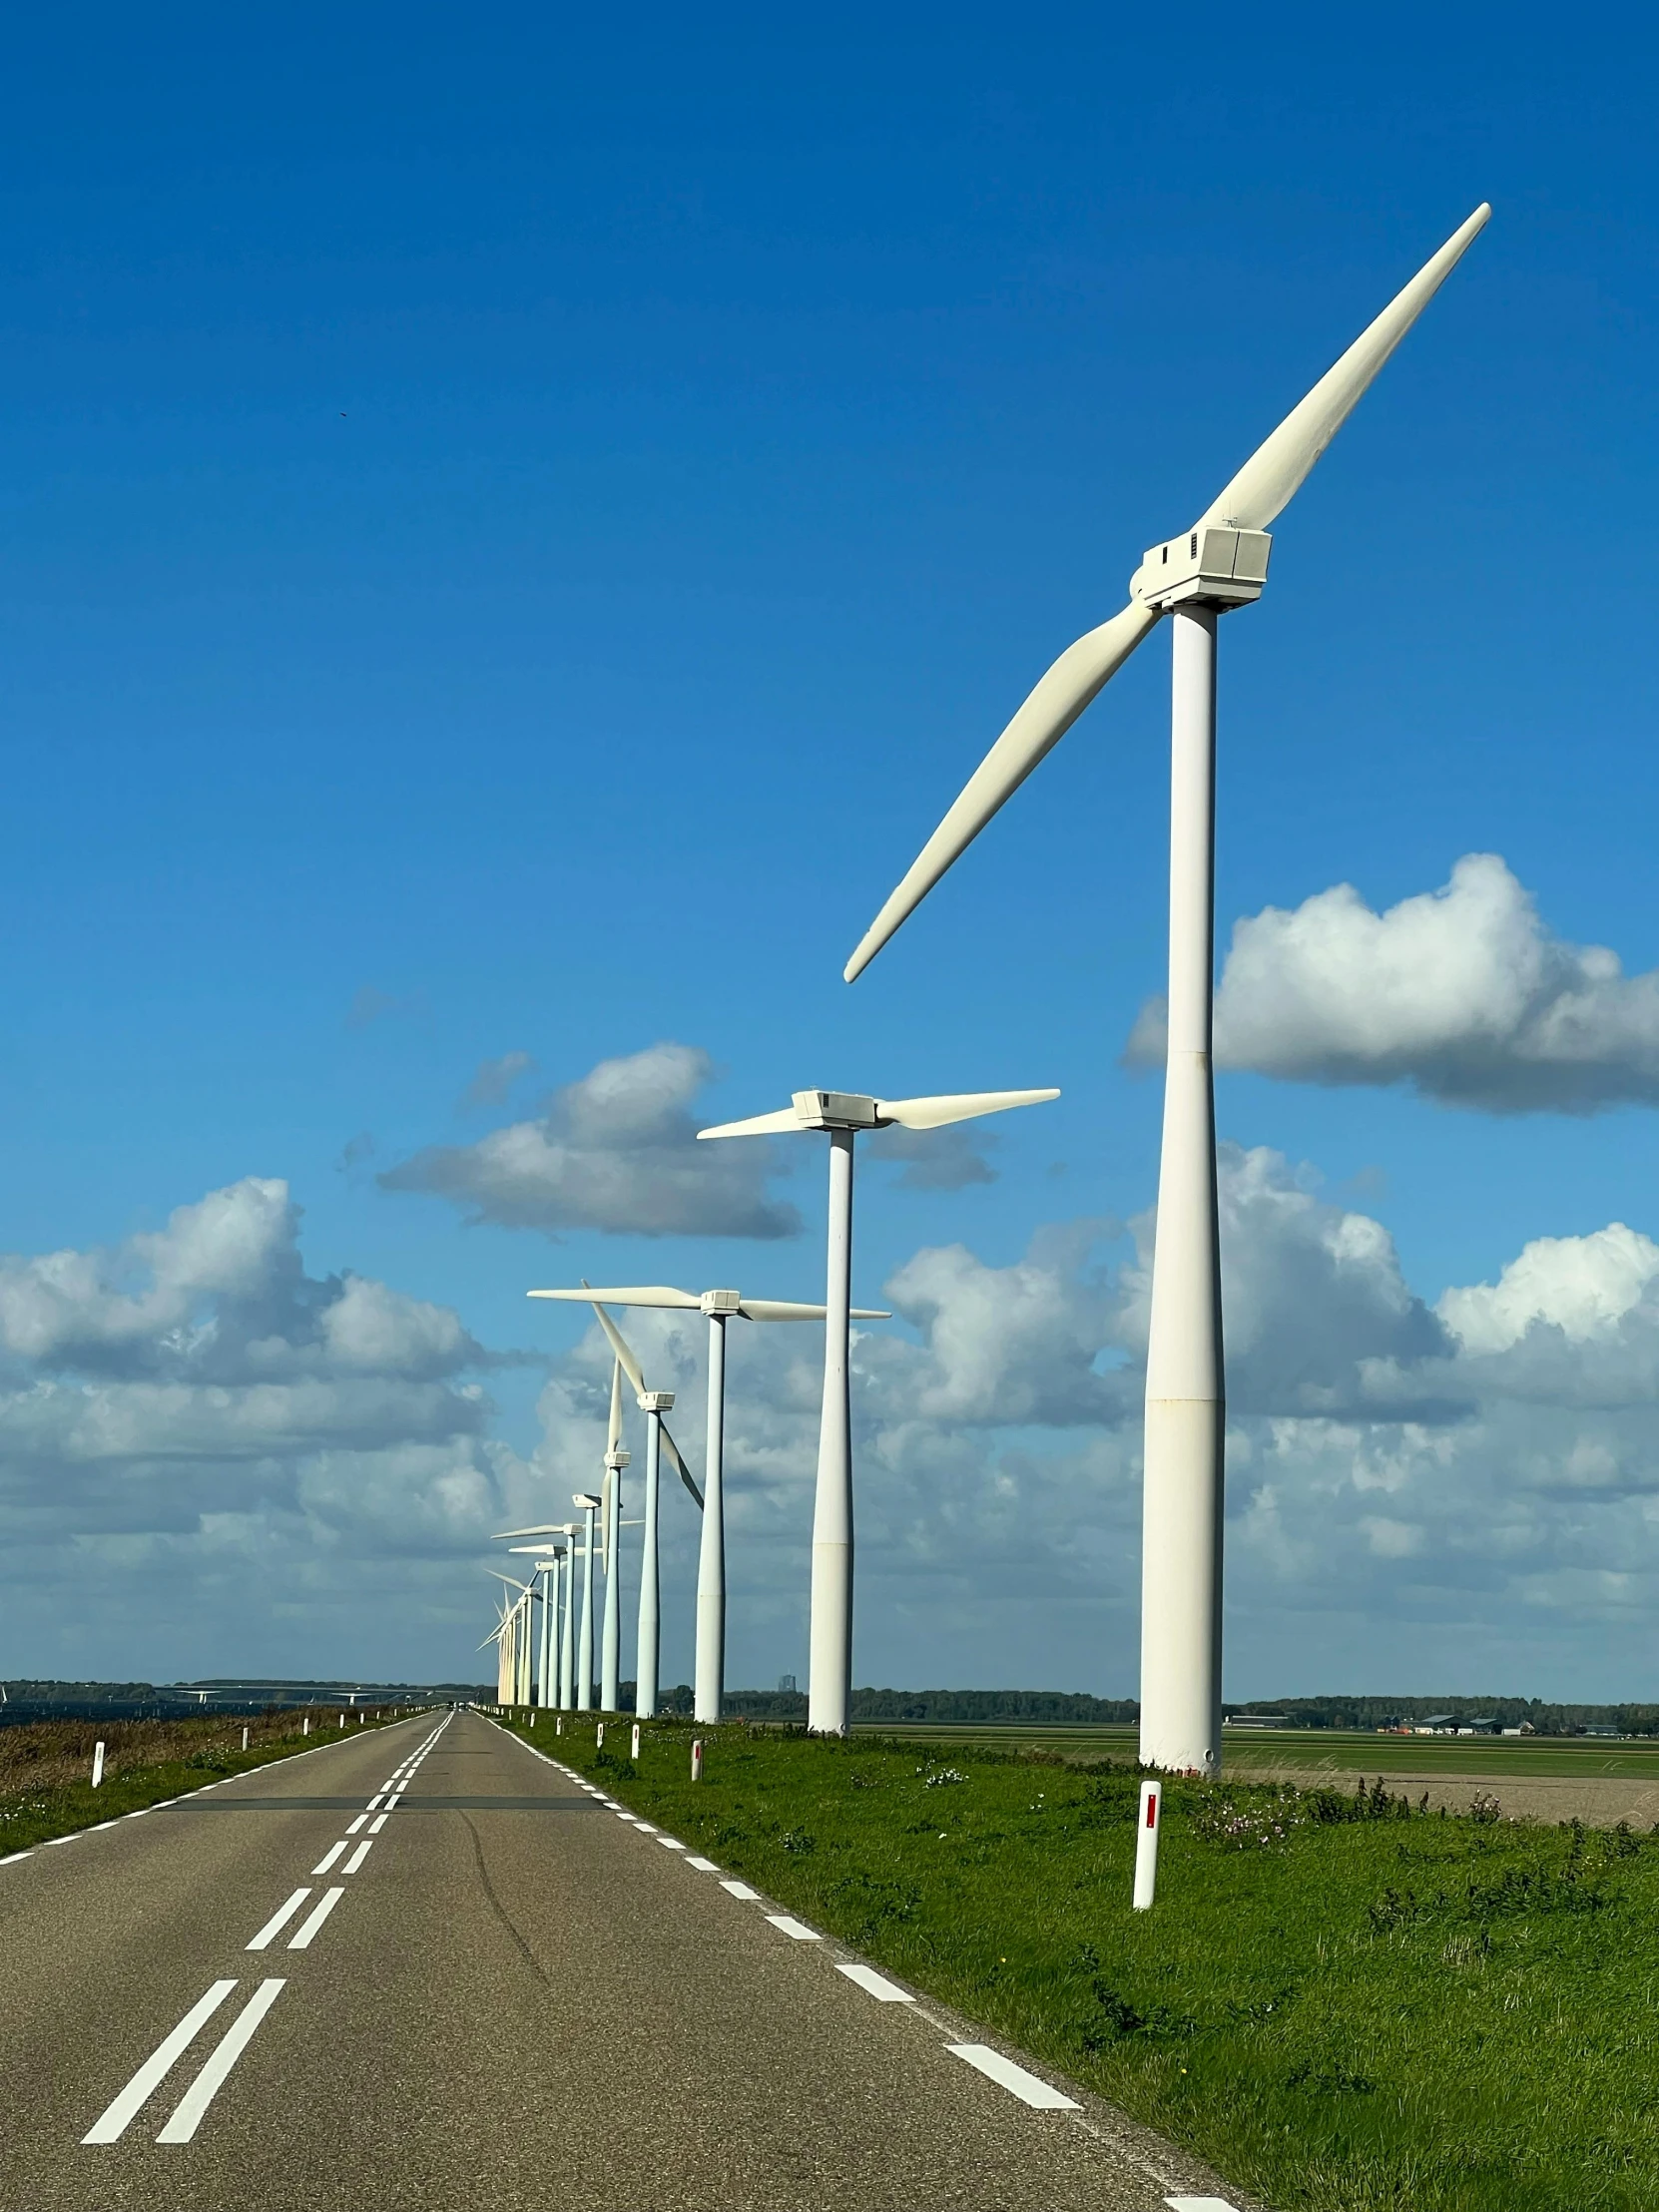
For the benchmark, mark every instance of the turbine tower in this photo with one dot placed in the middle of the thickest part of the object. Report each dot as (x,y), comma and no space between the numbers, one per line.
(588,1505)
(842,1114)
(1219,563)
(720,1307)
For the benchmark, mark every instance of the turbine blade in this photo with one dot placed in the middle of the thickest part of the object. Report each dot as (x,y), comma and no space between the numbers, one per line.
(616,1408)
(935,1113)
(759,1125)
(546,1528)
(1278,467)
(625,1358)
(648,1294)
(783,1308)
(675,1454)
(1059,696)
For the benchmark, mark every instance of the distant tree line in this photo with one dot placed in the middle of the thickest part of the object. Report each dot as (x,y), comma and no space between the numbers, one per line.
(1549,1719)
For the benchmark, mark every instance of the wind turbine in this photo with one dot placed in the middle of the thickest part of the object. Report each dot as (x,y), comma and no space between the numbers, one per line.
(610,1493)
(718,1306)
(1222,562)
(521,1635)
(588,1504)
(567,1640)
(548,1568)
(843,1114)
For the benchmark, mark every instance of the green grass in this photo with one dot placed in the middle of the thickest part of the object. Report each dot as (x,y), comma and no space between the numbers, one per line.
(147,1762)
(1341,2006)
(1320,1750)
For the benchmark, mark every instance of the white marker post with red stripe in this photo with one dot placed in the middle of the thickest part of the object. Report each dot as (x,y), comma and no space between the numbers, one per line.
(1146,1844)
(697,1761)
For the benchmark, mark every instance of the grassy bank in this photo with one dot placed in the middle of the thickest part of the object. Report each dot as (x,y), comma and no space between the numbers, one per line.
(1343,2002)
(46,1766)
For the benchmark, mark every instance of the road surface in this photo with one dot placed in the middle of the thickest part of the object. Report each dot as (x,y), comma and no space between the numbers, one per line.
(427,1968)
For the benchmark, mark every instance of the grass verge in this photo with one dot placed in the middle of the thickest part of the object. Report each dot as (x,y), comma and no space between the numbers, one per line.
(1340,2000)
(45,1768)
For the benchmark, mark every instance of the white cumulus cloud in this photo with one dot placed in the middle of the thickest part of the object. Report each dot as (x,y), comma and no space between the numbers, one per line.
(1464,994)
(614,1151)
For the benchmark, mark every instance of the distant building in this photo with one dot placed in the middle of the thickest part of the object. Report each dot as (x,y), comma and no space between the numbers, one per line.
(785,1682)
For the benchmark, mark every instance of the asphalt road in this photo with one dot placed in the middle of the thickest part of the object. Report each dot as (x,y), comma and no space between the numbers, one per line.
(514,1998)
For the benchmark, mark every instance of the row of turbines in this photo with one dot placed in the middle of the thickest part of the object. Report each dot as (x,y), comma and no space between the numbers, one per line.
(1194,578)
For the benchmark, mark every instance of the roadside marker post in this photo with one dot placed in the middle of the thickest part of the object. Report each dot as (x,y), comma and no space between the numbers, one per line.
(245,1735)
(1146,1844)
(697,1760)
(599,1736)
(634,1753)
(98,1766)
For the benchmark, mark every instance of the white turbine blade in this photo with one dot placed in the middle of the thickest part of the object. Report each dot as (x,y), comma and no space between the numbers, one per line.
(1082,671)
(935,1113)
(510,1581)
(783,1308)
(675,1454)
(547,1528)
(616,1408)
(625,1358)
(647,1294)
(784,1124)
(1278,468)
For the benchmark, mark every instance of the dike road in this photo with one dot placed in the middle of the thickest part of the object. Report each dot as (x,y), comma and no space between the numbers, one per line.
(428,1968)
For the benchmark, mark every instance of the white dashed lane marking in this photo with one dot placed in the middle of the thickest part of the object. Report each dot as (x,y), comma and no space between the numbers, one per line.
(314,1919)
(113,2122)
(703,1866)
(358,1855)
(739,1889)
(789,1926)
(877,1985)
(279,1919)
(202,2092)
(329,1857)
(1021,2085)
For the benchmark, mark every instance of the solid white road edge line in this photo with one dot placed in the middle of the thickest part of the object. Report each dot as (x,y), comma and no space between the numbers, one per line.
(328,1857)
(187,2117)
(114,2119)
(280,1919)
(1021,2085)
(314,1919)
(877,1985)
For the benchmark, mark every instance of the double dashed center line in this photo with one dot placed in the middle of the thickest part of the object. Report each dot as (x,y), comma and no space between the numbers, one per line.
(186,2116)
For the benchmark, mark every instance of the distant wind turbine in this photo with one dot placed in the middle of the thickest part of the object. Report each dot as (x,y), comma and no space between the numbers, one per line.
(720,1307)
(842,1114)
(1222,562)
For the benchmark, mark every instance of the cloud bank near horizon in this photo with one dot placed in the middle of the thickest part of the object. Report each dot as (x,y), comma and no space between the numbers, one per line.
(201,1439)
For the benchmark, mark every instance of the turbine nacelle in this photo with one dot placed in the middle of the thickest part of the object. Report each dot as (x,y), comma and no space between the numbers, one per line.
(1212,564)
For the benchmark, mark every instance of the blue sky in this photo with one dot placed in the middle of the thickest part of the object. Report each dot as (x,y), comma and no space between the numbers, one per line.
(512,531)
